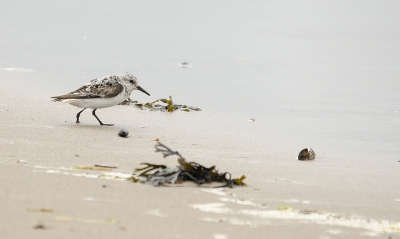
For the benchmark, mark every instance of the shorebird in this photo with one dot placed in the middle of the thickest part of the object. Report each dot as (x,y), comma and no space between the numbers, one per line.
(101,92)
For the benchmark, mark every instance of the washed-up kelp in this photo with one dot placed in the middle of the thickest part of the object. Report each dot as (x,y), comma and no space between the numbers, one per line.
(154,174)
(160,105)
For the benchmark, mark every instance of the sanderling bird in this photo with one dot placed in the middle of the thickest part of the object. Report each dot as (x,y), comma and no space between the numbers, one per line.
(101,92)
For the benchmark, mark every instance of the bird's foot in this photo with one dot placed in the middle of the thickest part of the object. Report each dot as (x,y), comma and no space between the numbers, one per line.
(106,124)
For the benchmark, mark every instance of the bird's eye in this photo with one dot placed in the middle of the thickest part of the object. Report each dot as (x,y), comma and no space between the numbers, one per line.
(131,81)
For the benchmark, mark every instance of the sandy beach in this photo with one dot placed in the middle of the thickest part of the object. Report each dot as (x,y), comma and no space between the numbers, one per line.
(271,78)
(285,198)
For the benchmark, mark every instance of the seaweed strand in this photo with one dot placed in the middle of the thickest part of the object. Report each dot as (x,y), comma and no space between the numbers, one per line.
(167,151)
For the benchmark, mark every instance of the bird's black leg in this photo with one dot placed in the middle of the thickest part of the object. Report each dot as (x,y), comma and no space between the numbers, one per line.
(101,123)
(79,114)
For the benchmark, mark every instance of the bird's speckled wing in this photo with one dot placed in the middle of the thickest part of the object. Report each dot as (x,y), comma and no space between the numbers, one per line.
(103,87)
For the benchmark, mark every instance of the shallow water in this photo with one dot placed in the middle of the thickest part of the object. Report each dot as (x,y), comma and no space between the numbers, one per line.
(319,74)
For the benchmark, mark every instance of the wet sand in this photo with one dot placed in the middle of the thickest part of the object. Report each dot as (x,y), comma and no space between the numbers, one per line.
(331,197)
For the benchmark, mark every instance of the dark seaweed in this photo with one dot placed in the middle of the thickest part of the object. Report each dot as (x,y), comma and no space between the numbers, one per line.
(186,171)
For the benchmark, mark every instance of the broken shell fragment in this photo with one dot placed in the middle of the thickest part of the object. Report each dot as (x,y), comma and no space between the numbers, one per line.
(123,133)
(306,154)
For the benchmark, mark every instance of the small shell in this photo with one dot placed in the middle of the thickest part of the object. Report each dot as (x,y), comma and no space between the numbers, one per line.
(123,133)
(306,154)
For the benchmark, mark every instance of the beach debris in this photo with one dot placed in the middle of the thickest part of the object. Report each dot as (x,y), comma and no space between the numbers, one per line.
(308,211)
(39,210)
(306,154)
(252,120)
(86,220)
(104,166)
(154,174)
(123,133)
(157,105)
(185,65)
(95,167)
(21,161)
(39,226)
(285,208)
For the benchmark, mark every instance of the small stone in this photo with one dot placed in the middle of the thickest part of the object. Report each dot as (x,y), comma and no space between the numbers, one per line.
(123,133)
(185,64)
(306,154)
(39,226)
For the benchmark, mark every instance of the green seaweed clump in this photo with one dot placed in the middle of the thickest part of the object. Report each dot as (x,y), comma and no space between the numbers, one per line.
(154,174)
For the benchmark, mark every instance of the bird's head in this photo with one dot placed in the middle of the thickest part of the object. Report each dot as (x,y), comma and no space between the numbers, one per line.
(131,83)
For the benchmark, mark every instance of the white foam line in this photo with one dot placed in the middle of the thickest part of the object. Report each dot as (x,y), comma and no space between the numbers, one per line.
(156,213)
(379,226)
(217,191)
(212,207)
(17,69)
(240,202)
(108,175)
(219,236)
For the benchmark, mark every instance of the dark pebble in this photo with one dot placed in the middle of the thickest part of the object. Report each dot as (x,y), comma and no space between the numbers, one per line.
(185,64)
(123,133)
(39,226)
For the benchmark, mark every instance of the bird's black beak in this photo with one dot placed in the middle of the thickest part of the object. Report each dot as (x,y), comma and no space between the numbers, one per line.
(142,90)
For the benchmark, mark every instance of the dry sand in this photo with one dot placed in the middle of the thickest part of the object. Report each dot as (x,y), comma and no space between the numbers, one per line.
(40,144)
